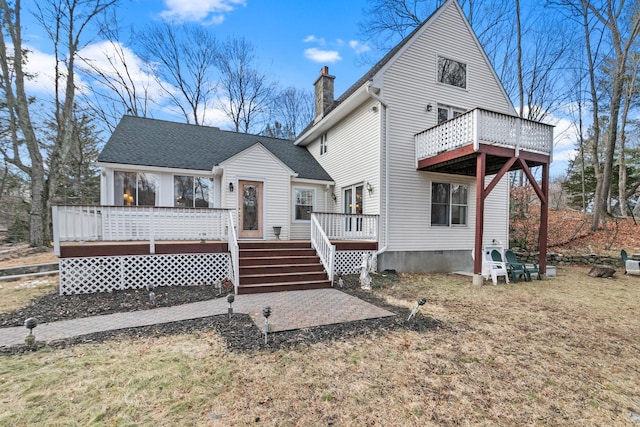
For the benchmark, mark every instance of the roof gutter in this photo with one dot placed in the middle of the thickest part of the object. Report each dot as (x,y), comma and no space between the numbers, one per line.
(373,93)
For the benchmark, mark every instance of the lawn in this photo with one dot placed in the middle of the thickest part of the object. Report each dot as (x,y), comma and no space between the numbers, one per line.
(565,351)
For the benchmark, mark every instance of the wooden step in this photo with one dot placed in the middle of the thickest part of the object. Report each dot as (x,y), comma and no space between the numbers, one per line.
(276,252)
(277,260)
(281,268)
(253,279)
(266,244)
(281,287)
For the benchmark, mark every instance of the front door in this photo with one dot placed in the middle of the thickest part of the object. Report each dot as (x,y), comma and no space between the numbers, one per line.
(250,210)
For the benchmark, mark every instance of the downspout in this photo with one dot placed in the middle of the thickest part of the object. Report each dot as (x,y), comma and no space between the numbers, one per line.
(370,91)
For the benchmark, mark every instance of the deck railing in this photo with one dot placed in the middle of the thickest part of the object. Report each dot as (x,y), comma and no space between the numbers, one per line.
(348,226)
(234,250)
(126,223)
(321,243)
(485,127)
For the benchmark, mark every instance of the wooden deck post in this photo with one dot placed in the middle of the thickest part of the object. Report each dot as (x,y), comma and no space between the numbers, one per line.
(481,160)
(544,221)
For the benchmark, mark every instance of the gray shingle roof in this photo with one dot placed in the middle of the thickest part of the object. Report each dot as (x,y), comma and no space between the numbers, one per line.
(160,143)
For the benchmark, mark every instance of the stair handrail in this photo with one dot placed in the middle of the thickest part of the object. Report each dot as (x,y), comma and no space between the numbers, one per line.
(232,243)
(321,243)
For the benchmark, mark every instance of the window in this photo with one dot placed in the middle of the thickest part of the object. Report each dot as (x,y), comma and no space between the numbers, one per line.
(449,204)
(303,204)
(446,112)
(192,191)
(323,144)
(452,72)
(135,189)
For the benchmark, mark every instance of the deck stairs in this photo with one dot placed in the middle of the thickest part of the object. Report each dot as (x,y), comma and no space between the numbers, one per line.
(279,265)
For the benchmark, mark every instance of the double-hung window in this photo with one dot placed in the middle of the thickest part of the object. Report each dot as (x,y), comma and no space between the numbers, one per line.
(192,191)
(303,199)
(135,189)
(453,73)
(323,144)
(449,204)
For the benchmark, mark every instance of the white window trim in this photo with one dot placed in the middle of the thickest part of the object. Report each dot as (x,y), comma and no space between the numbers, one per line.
(466,76)
(293,202)
(211,187)
(451,110)
(450,204)
(323,144)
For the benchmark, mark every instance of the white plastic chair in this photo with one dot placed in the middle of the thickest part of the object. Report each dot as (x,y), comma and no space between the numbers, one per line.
(490,268)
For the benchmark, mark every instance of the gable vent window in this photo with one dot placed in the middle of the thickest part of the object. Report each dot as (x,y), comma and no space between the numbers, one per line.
(323,144)
(452,72)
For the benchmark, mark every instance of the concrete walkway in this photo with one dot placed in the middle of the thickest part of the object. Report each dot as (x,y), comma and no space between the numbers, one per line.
(289,310)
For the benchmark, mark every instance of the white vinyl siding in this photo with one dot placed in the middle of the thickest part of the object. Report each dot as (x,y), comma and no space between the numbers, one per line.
(164,185)
(409,191)
(354,155)
(300,230)
(258,164)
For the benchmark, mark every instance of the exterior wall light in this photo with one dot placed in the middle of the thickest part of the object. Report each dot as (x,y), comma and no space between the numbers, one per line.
(231,187)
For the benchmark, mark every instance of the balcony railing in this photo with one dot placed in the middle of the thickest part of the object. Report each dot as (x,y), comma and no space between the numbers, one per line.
(347,226)
(485,127)
(127,223)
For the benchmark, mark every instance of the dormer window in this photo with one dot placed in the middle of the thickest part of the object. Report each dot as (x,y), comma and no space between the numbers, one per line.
(323,144)
(452,72)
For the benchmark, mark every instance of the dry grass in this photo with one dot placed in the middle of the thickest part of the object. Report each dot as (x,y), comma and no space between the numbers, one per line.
(14,294)
(559,352)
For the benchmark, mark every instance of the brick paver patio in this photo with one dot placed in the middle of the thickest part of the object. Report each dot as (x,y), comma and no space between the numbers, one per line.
(290,310)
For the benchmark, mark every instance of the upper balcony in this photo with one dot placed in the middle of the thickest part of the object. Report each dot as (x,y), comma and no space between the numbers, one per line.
(452,146)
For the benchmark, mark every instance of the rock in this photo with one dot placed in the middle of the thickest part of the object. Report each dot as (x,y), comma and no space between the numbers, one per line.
(602,271)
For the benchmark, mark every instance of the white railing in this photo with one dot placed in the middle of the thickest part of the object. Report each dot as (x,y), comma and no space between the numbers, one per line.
(321,243)
(234,250)
(485,127)
(347,226)
(126,223)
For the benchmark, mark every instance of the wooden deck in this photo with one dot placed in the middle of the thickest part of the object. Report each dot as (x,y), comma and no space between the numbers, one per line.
(142,247)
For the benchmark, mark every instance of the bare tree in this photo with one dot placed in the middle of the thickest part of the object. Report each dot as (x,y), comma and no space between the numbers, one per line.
(183,59)
(622,26)
(246,93)
(120,83)
(66,22)
(293,109)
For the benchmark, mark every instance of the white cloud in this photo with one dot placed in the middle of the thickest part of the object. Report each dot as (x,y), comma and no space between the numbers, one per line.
(325,56)
(359,47)
(41,66)
(205,11)
(110,59)
(313,39)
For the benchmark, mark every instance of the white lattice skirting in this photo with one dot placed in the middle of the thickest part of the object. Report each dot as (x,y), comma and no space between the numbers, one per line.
(350,262)
(104,274)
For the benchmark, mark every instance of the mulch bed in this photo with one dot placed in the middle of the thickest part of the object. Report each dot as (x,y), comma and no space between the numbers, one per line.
(239,332)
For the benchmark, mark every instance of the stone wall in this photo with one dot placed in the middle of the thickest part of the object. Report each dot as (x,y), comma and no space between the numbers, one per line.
(560,259)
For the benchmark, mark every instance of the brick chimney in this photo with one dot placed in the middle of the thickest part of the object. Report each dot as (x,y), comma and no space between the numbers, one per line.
(324,92)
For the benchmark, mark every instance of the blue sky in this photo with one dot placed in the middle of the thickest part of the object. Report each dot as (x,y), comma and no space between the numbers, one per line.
(293,40)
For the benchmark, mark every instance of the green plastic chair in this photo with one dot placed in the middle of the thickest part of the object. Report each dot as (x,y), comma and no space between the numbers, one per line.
(511,259)
(515,270)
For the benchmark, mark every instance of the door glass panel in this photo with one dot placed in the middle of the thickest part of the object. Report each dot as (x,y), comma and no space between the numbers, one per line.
(348,207)
(358,210)
(250,207)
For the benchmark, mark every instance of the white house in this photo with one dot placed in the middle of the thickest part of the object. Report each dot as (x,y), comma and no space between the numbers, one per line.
(408,167)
